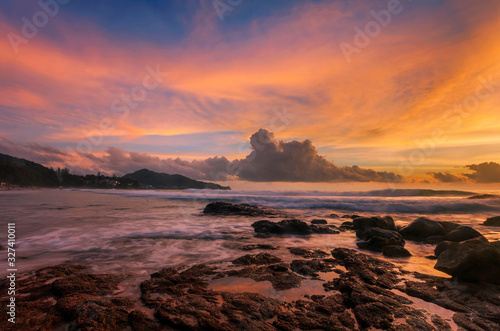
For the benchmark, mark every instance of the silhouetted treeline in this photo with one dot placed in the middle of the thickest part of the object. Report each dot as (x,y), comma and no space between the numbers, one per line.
(21,172)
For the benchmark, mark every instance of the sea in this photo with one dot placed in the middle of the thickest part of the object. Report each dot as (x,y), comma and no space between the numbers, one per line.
(138,232)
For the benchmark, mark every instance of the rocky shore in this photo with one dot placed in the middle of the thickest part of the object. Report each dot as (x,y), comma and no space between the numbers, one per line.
(303,289)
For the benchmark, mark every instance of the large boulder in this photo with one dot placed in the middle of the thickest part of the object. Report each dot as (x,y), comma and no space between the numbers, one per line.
(421,229)
(378,244)
(292,226)
(472,260)
(386,222)
(462,233)
(492,221)
(368,233)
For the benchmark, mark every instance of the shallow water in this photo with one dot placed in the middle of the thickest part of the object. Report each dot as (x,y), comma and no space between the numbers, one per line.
(139,232)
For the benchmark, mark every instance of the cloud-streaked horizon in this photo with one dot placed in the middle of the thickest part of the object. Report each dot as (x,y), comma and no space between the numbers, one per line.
(270,160)
(229,76)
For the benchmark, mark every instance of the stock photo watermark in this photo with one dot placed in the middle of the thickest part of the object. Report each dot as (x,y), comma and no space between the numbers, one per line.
(121,106)
(364,36)
(31,26)
(454,118)
(223,7)
(11,270)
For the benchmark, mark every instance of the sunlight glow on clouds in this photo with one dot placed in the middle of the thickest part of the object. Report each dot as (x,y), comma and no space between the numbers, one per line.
(229,75)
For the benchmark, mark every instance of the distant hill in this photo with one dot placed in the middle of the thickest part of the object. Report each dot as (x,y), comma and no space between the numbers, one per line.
(15,171)
(171,182)
(20,172)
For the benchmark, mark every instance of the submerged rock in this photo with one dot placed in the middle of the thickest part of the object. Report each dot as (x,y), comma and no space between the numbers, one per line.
(319,221)
(226,208)
(472,260)
(492,221)
(421,229)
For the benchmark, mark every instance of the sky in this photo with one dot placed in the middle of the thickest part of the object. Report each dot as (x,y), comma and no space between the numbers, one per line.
(255,90)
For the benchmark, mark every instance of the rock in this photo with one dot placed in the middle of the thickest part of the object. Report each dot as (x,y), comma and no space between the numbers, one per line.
(441,247)
(312,267)
(307,252)
(377,244)
(261,258)
(385,222)
(492,221)
(319,221)
(86,284)
(350,216)
(472,260)
(448,226)
(462,233)
(252,247)
(325,229)
(346,226)
(434,240)
(292,226)
(395,251)
(226,208)
(422,228)
(367,233)
(334,216)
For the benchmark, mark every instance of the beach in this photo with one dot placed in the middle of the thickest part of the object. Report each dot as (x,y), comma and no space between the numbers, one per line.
(133,234)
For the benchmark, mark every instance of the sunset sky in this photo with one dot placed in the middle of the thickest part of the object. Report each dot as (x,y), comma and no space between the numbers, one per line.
(407,89)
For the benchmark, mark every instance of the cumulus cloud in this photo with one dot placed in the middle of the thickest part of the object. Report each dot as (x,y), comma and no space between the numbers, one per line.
(295,161)
(446,177)
(487,172)
(269,160)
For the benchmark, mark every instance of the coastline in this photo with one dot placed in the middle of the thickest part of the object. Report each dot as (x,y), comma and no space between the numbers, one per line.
(295,274)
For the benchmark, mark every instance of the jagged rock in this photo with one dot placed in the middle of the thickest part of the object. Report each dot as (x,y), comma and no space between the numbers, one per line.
(462,233)
(471,260)
(377,244)
(226,208)
(307,252)
(386,222)
(262,258)
(312,267)
(368,232)
(492,221)
(421,229)
(252,247)
(325,229)
(395,251)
